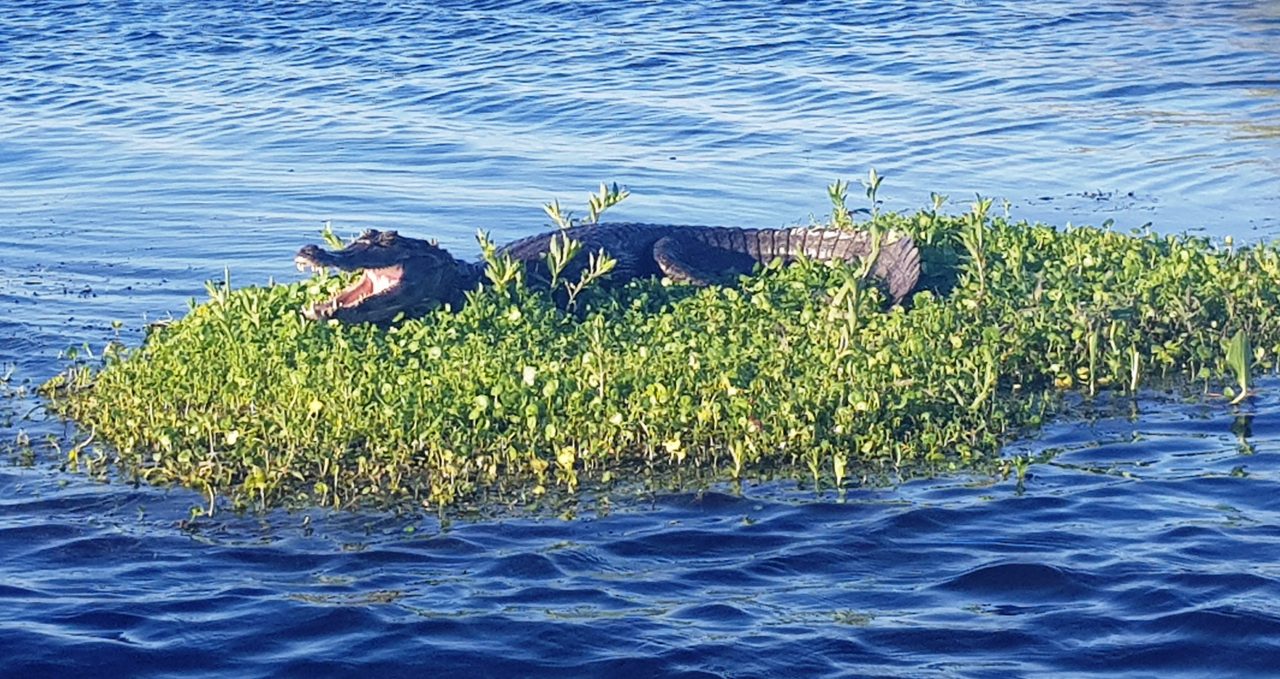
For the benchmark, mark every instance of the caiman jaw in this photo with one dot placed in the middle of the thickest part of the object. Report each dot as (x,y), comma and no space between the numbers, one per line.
(373,282)
(398,275)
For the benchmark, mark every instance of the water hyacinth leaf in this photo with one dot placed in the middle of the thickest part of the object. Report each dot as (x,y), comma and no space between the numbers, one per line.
(795,371)
(1239,355)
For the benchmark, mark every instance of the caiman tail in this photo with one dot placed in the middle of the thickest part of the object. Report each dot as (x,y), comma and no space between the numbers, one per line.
(897,265)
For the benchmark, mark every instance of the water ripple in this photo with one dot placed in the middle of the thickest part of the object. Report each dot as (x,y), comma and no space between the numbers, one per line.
(149,146)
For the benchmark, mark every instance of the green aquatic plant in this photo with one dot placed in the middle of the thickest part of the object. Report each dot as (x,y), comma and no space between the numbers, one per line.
(1239,356)
(797,371)
(608,196)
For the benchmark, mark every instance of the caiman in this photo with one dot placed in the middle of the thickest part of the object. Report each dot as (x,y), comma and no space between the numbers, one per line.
(413,276)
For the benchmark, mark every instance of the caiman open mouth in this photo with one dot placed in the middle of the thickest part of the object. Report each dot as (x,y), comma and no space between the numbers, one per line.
(383,281)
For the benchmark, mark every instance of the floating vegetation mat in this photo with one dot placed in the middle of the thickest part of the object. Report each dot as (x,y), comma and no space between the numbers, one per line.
(801,370)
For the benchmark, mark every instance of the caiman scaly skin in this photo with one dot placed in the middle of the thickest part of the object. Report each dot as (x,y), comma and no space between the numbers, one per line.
(413,276)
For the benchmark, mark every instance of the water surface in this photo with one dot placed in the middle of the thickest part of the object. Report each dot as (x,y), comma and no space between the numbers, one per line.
(147,146)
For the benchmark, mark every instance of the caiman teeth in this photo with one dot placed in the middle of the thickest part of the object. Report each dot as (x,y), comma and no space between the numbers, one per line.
(370,283)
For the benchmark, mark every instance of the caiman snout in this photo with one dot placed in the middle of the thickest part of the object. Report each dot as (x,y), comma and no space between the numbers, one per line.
(398,274)
(311,257)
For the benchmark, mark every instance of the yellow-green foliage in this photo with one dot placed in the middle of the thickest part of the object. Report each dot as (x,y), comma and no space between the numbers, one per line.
(799,370)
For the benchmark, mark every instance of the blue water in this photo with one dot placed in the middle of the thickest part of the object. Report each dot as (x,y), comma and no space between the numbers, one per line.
(146,146)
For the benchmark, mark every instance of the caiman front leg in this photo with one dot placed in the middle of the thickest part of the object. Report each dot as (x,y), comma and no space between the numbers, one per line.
(686,260)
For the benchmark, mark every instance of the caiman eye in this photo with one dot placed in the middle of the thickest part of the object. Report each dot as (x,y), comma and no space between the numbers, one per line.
(388,237)
(369,234)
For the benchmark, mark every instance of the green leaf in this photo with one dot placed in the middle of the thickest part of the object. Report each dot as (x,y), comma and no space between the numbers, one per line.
(1238,357)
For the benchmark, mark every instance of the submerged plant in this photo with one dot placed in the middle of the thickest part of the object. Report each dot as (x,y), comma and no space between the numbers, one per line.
(797,371)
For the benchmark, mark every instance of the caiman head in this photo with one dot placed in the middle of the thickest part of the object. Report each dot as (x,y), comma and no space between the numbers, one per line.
(398,274)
